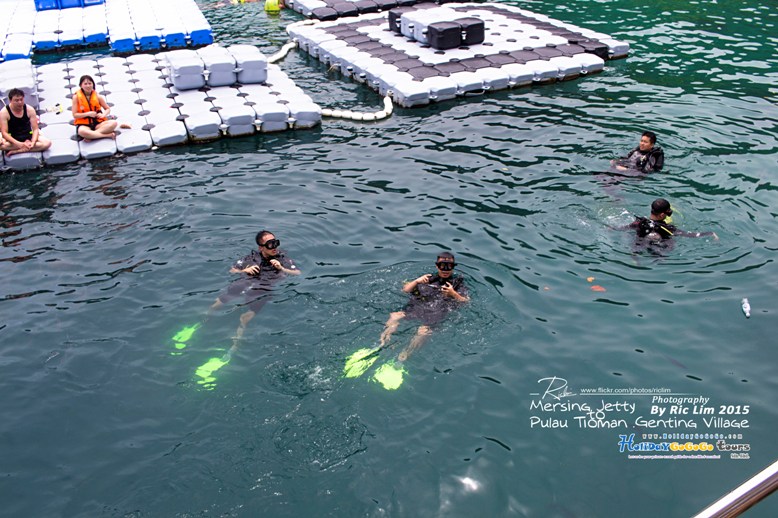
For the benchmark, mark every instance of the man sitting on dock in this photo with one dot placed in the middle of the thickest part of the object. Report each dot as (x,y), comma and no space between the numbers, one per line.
(19,127)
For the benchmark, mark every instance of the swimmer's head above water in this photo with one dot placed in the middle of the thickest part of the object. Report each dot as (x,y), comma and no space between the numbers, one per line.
(445,264)
(660,209)
(647,140)
(268,244)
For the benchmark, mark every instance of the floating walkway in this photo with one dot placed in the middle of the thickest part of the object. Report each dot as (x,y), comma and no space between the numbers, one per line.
(128,26)
(413,54)
(326,10)
(425,53)
(169,98)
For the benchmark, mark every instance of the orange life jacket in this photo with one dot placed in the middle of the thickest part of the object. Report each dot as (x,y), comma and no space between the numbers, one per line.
(93,105)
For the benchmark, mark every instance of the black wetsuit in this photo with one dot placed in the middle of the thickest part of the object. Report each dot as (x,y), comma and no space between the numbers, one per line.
(429,305)
(645,226)
(256,289)
(651,160)
(19,127)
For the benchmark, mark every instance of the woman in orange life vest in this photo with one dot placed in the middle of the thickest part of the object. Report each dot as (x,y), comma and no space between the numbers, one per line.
(90,112)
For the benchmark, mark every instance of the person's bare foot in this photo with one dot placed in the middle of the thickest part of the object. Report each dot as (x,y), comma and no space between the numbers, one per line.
(113,135)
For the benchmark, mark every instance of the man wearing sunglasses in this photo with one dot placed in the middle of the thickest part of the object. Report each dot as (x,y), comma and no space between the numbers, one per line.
(260,270)
(433,296)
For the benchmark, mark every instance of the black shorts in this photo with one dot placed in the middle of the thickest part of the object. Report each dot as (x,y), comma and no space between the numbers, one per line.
(428,315)
(254,296)
(22,137)
(92,125)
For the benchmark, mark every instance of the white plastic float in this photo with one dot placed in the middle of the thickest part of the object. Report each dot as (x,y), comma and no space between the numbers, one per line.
(19,74)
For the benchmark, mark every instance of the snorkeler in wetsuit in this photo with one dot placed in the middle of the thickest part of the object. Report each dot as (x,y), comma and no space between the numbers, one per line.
(433,296)
(656,228)
(260,270)
(646,157)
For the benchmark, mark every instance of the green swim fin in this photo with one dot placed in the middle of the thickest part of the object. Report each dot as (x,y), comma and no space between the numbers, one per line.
(181,338)
(205,371)
(360,361)
(389,376)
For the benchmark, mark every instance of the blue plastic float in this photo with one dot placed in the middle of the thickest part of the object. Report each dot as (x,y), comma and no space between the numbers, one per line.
(128,26)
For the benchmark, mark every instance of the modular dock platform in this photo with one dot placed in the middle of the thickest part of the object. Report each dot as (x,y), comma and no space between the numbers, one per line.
(141,91)
(395,52)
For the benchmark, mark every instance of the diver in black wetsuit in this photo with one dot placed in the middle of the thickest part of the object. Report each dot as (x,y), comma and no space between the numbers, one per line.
(646,157)
(262,268)
(656,228)
(433,296)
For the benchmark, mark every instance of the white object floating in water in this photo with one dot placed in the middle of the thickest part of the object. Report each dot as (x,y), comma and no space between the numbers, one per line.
(746,308)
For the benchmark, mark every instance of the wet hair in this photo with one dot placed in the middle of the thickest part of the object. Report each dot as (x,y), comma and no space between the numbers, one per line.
(261,235)
(660,206)
(651,136)
(81,80)
(446,257)
(15,92)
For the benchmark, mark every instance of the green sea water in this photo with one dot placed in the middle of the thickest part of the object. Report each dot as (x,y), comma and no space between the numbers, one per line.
(102,263)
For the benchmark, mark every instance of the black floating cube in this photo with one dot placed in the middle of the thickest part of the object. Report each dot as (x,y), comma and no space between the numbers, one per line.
(343,31)
(366,6)
(572,37)
(596,48)
(548,52)
(380,52)
(450,67)
(444,35)
(325,14)
(394,18)
(524,56)
(355,40)
(422,72)
(372,45)
(346,9)
(570,49)
(475,63)
(473,30)
(406,64)
(394,57)
(385,5)
(498,60)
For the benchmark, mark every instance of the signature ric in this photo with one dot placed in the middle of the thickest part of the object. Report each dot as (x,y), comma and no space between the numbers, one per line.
(554,387)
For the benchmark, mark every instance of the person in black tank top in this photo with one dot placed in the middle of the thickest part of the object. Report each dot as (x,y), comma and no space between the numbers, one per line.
(19,127)
(433,296)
